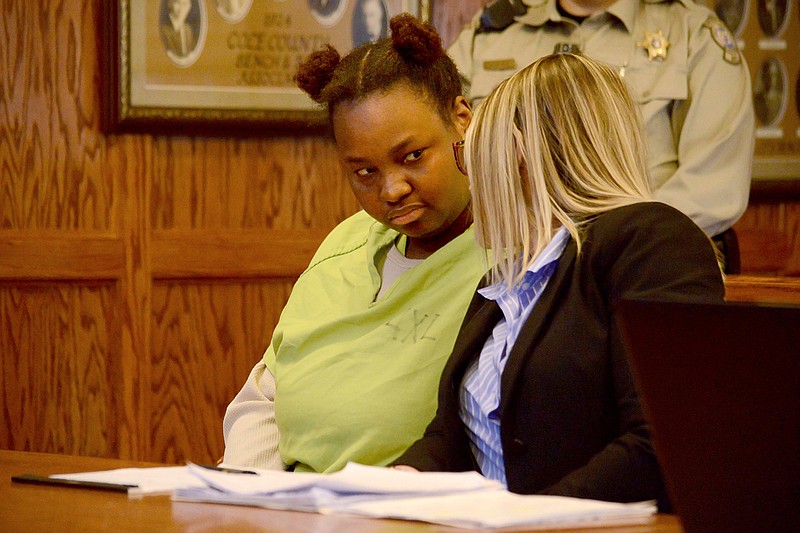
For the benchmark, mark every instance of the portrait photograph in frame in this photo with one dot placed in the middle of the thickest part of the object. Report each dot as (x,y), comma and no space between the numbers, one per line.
(772,16)
(767,37)
(210,67)
(769,91)
(733,13)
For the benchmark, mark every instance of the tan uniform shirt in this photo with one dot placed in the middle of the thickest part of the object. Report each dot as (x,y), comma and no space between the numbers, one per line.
(694,95)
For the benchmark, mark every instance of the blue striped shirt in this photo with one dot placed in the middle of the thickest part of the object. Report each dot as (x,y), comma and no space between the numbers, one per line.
(480,389)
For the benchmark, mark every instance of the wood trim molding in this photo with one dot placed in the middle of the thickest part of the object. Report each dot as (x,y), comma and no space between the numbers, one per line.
(774,191)
(59,255)
(233,253)
(762,289)
(176,254)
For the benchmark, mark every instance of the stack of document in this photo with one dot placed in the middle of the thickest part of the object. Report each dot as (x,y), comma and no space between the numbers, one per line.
(462,499)
(299,491)
(140,481)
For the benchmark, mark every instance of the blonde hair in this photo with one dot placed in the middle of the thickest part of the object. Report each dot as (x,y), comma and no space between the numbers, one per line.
(557,144)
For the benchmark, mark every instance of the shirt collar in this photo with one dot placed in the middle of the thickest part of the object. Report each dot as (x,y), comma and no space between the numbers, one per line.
(542,11)
(552,252)
(625,11)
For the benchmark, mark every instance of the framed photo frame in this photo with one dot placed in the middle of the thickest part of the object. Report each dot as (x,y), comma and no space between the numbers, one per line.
(211,67)
(766,32)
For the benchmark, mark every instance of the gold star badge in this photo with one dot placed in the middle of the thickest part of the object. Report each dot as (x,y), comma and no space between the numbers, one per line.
(655,43)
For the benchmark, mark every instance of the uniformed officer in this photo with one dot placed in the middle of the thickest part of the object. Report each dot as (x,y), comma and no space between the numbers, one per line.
(683,65)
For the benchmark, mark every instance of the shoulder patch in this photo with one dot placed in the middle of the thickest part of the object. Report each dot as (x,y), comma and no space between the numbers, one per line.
(722,36)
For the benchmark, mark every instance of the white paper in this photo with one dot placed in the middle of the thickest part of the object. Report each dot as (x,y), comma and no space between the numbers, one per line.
(461,499)
(464,499)
(315,492)
(156,480)
(354,478)
(500,508)
(265,481)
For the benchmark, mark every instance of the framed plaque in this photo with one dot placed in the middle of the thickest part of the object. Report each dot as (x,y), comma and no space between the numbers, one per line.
(768,33)
(771,51)
(210,67)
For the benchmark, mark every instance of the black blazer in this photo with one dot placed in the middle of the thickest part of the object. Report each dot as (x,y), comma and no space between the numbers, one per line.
(571,421)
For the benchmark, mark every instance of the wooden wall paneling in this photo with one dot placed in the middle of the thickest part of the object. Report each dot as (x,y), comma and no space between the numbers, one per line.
(59,385)
(793,237)
(56,254)
(129,164)
(280,183)
(318,193)
(49,152)
(244,253)
(60,338)
(192,182)
(763,243)
(206,338)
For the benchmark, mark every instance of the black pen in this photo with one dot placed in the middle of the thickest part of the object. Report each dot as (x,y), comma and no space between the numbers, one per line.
(226,470)
(34,479)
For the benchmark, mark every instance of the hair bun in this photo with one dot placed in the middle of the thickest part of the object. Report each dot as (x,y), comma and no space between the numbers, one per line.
(316,72)
(415,40)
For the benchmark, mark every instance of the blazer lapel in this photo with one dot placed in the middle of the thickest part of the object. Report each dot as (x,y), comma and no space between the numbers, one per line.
(535,324)
(482,316)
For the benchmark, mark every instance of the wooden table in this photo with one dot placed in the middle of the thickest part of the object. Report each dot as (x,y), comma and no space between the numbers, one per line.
(54,509)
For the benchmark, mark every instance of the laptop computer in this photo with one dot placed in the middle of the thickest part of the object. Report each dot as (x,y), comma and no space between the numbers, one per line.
(720,385)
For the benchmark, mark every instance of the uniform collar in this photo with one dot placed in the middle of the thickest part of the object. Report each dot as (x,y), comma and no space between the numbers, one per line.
(542,11)
(539,12)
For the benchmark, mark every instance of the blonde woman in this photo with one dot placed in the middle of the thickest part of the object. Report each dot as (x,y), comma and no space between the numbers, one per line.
(537,392)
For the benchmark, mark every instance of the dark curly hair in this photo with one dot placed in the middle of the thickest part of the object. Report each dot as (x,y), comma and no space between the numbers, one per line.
(412,54)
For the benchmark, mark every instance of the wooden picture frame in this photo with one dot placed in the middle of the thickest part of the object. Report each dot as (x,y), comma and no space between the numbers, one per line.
(224,67)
